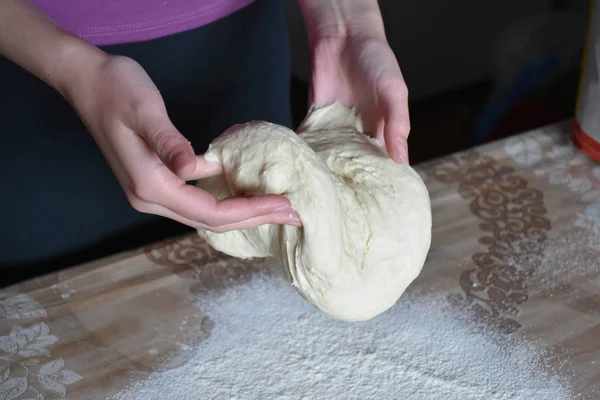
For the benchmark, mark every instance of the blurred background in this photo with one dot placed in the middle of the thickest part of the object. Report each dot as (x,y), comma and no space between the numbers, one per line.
(475,70)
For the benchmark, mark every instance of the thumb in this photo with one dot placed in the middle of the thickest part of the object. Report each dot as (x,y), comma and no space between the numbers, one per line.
(173,149)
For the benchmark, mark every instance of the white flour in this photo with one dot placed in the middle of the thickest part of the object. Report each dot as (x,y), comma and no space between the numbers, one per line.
(269,343)
(565,259)
(570,256)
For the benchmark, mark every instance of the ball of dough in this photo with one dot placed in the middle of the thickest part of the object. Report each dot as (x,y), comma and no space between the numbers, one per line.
(366,219)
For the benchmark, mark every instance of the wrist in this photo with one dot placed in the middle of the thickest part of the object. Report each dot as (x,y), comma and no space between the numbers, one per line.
(30,39)
(76,63)
(341,20)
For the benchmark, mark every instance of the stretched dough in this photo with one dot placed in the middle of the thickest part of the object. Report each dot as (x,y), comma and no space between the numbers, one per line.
(366,219)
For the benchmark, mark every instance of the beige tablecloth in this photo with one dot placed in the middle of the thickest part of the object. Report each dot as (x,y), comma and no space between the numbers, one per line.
(516,244)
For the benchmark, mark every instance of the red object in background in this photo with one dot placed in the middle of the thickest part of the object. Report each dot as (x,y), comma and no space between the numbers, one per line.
(524,116)
(585,143)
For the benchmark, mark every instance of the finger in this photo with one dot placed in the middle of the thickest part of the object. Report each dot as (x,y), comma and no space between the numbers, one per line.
(156,209)
(283,217)
(150,182)
(394,99)
(176,152)
(193,203)
(202,169)
(173,149)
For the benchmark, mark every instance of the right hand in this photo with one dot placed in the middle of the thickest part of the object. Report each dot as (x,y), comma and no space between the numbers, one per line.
(123,110)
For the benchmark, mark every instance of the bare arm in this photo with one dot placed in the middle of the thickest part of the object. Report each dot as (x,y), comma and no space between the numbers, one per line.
(30,39)
(353,63)
(341,18)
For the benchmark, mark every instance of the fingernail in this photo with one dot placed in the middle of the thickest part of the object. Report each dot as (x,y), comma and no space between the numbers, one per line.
(294,219)
(402,151)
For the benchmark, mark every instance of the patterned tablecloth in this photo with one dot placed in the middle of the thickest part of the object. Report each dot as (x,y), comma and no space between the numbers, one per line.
(516,244)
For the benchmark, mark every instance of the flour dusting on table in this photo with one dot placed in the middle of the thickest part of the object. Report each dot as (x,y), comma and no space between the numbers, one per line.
(269,343)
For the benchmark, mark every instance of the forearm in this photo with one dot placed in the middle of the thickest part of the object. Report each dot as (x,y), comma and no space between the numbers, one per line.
(341,18)
(30,39)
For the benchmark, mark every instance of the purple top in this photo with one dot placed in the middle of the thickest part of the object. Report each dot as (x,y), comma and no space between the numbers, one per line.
(103,22)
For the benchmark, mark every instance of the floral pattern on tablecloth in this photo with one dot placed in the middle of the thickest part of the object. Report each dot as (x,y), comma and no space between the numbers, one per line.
(559,161)
(512,217)
(19,306)
(553,155)
(212,271)
(28,370)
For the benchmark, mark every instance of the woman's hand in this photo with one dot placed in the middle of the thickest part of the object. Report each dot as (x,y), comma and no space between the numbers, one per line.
(127,117)
(363,71)
(352,63)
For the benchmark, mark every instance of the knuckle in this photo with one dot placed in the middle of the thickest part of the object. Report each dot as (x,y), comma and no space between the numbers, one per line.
(394,84)
(213,215)
(404,90)
(167,142)
(210,220)
(217,229)
(400,128)
(162,140)
(404,126)
(139,204)
(142,191)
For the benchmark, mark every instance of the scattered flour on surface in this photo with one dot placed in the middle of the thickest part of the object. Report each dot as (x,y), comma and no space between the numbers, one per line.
(566,258)
(269,343)
(571,256)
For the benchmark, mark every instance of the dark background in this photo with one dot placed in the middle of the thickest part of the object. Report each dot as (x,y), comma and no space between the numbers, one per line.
(459,56)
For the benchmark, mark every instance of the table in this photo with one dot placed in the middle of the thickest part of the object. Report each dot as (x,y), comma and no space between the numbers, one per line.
(516,246)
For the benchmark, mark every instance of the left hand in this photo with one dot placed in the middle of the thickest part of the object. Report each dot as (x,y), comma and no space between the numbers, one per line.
(363,72)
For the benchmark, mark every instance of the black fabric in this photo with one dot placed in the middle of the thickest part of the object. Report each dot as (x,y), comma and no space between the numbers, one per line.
(60,203)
